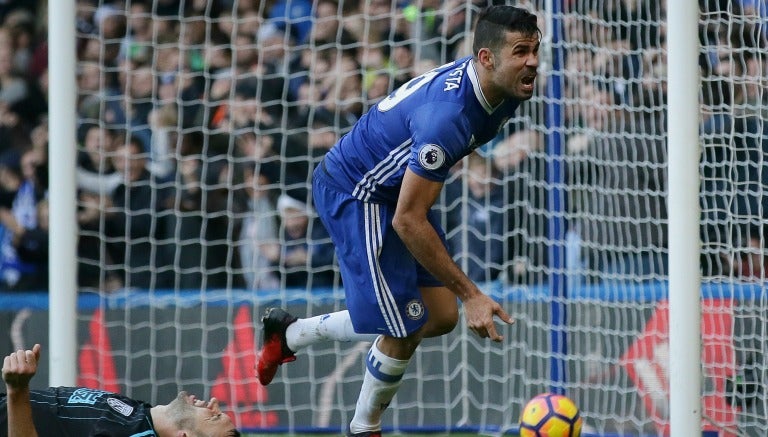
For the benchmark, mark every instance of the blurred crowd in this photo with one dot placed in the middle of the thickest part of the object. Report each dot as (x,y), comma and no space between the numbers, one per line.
(199,124)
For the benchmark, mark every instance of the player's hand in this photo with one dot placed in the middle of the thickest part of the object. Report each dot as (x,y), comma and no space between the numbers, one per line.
(479,311)
(19,367)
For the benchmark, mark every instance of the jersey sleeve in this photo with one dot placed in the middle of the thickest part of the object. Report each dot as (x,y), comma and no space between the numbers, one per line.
(441,137)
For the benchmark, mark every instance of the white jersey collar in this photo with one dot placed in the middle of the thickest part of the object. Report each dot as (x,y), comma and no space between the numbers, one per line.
(472,73)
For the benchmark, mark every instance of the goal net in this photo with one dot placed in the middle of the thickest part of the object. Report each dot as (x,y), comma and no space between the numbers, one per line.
(199,125)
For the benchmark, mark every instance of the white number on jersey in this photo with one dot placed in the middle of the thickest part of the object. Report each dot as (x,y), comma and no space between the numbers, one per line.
(409,88)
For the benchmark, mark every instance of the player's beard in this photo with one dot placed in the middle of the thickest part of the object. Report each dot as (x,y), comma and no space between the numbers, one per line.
(181,412)
(525,94)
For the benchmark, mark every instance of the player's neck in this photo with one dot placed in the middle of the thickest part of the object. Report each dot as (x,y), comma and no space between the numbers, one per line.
(493,98)
(160,423)
(490,92)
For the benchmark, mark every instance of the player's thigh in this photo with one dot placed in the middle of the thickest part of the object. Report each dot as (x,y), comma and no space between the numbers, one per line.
(379,274)
(443,309)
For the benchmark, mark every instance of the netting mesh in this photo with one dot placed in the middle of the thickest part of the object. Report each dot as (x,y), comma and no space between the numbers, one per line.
(199,125)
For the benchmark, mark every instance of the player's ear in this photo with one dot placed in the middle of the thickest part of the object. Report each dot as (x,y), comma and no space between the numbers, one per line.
(485,56)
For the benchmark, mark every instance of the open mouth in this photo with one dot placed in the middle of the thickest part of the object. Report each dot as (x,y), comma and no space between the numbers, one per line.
(528,80)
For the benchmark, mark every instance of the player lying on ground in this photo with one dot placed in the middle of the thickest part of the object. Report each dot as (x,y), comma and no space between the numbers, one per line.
(374,191)
(78,411)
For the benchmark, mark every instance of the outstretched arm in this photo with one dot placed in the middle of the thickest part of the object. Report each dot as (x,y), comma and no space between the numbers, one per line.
(417,196)
(18,369)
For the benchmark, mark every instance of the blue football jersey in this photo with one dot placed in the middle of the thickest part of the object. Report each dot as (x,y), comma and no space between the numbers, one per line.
(427,125)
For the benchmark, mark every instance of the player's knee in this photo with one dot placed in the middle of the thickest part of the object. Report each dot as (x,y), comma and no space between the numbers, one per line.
(449,322)
(442,323)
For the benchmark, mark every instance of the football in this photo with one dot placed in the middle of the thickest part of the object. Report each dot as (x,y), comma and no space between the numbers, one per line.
(550,415)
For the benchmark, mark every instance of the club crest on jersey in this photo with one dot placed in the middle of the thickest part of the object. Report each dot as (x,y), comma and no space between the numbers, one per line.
(431,157)
(120,406)
(414,309)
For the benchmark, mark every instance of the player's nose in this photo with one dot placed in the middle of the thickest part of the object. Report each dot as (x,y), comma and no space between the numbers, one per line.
(532,60)
(213,405)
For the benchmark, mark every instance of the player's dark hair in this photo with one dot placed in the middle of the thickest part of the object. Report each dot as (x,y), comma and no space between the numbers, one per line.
(233,433)
(494,22)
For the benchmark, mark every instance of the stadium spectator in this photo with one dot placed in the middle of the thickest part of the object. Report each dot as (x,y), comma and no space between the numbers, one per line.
(424,21)
(258,147)
(379,87)
(268,144)
(370,22)
(327,29)
(334,84)
(249,19)
(623,211)
(111,28)
(90,89)
(343,95)
(139,41)
(168,67)
(163,121)
(276,49)
(14,135)
(96,266)
(482,243)
(31,246)
(28,413)
(733,140)
(521,163)
(247,112)
(137,104)
(29,187)
(401,59)
(259,242)
(759,9)
(245,52)
(323,132)
(751,261)
(294,17)
(133,220)
(311,69)
(95,172)
(306,257)
(14,93)
(578,70)
(13,88)
(21,41)
(197,224)
(456,18)
(21,26)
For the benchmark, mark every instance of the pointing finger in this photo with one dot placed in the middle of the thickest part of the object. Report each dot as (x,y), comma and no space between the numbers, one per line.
(506,318)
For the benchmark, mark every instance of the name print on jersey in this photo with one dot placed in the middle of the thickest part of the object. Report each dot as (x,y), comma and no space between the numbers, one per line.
(453,81)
